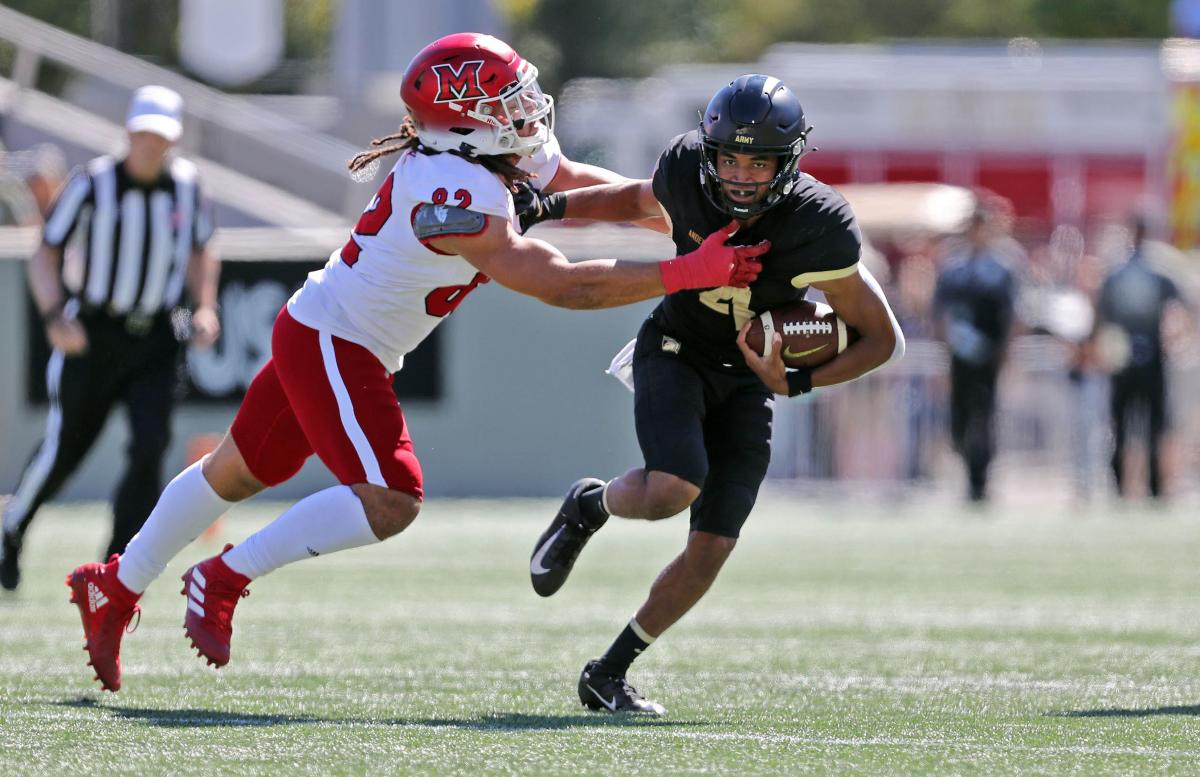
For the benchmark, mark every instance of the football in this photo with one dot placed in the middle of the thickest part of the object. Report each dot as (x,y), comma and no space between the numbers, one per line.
(812,334)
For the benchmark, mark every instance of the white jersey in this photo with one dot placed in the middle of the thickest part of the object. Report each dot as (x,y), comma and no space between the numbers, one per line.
(385,289)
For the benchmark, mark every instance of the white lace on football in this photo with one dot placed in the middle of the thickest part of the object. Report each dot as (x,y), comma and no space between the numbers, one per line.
(808,328)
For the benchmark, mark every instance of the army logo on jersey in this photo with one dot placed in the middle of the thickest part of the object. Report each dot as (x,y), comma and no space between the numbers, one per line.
(459,83)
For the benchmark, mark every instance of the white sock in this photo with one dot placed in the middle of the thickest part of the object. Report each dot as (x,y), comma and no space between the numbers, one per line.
(188,506)
(324,522)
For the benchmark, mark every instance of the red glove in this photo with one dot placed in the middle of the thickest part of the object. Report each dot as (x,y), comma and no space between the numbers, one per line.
(714,264)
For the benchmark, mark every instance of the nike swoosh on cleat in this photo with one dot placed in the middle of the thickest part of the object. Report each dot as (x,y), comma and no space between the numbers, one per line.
(535,563)
(611,705)
(790,354)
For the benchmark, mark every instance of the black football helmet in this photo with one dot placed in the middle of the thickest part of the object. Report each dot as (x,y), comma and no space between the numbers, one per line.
(754,114)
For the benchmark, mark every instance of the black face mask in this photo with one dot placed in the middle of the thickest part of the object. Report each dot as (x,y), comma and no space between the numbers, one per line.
(780,184)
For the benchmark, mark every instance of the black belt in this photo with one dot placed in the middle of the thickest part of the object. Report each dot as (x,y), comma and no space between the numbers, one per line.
(135,323)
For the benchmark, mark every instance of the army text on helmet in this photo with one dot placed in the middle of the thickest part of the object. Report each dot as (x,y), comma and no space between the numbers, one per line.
(755,114)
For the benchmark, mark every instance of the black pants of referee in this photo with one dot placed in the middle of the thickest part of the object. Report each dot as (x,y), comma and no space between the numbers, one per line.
(136,369)
(1139,402)
(972,420)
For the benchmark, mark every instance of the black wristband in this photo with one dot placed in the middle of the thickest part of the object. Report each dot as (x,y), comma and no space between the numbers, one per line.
(533,207)
(52,315)
(799,382)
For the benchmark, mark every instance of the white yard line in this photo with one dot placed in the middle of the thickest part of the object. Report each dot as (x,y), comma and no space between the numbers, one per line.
(902,742)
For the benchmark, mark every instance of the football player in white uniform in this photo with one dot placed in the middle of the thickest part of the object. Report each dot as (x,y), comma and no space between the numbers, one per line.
(442,223)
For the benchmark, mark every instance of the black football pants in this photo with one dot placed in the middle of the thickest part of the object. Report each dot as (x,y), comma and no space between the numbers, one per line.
(972,420)
(1139,394)
(139,372)
(704,424)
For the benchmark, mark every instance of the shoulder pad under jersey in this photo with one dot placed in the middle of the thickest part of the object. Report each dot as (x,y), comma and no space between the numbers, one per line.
(438,220)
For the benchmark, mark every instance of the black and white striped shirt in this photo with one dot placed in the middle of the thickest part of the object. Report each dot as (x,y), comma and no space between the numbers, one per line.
(136,238)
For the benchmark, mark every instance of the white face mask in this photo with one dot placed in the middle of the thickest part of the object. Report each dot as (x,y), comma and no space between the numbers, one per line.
(511,115)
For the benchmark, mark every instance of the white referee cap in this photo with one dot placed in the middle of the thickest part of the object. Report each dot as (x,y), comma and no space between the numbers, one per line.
(156,109)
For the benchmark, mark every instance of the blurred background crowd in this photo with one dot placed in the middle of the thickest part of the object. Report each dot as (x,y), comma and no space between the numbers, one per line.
(1026,174)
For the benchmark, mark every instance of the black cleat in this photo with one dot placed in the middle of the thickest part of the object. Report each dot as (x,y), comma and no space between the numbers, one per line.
(599,690)
(559,545)
(10,571)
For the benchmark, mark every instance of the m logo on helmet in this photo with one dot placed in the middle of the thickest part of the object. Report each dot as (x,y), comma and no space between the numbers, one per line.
(459,83)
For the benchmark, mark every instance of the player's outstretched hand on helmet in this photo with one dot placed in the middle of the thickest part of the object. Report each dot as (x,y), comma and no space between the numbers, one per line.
(714,263)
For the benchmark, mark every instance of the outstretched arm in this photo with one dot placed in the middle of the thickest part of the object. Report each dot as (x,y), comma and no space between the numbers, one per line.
(538,269)
(572,176)
(628,200)
(577,175)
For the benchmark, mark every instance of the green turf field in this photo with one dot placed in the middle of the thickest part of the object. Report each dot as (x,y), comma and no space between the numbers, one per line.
(840,639)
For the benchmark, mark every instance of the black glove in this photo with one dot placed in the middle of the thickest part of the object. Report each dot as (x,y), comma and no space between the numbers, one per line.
(534,207)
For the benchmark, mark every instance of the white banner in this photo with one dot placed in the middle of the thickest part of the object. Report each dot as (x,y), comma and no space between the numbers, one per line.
(231,42)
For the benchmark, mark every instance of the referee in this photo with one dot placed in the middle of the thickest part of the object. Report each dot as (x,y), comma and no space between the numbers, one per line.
(142,229)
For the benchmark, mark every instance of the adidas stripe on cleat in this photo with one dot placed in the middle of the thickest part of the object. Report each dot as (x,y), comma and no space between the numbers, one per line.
(96,597)
(106,608)
(212,590)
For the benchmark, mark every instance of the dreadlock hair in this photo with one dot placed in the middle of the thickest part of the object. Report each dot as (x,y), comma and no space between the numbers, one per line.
(406,138)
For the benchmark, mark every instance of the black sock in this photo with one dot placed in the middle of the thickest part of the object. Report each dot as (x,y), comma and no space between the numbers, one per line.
(621,653)
(591,508)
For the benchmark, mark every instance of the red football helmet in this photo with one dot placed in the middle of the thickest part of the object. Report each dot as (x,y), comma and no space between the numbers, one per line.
(472,93)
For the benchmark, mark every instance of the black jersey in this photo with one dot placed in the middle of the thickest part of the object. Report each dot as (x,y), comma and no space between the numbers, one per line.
(813,237)
(976,294)
(1134,298)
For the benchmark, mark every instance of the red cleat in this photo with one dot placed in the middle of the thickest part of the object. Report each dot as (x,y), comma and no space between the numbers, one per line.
(212,590)
(106,607)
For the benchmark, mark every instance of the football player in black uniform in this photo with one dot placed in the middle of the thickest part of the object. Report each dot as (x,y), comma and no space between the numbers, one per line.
(703,402)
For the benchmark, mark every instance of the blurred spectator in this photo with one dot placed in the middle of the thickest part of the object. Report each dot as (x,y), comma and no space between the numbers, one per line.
(18,208)
(915,280)
(1059,300)
(1134,303)
(1084,274)
(973,304)
(44,169)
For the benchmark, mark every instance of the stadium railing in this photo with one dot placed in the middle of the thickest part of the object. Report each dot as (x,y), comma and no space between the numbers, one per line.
(220,127)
